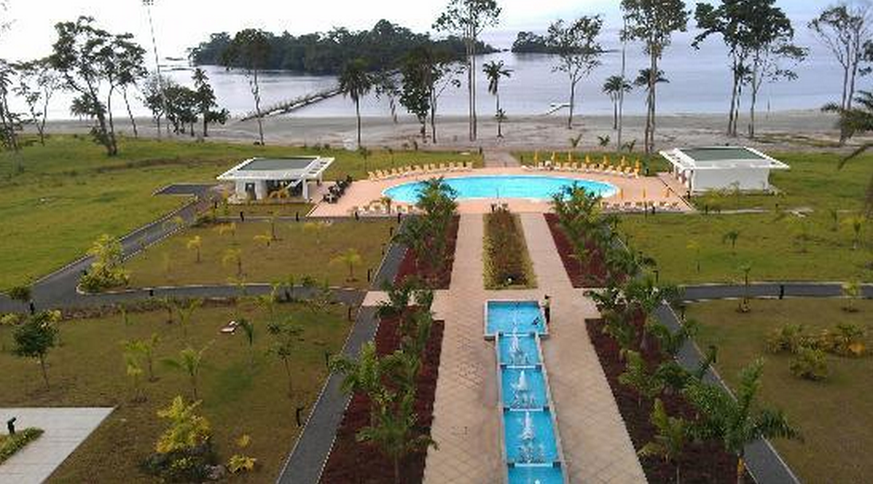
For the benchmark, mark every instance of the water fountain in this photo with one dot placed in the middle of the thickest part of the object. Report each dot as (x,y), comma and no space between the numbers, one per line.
(517,356)
(522,396)
(530,451)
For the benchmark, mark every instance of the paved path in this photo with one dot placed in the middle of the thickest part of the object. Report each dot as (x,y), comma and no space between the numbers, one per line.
(499,159)
(466,411)
(64,429)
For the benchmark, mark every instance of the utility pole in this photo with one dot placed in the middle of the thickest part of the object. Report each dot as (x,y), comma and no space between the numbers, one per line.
(148,5)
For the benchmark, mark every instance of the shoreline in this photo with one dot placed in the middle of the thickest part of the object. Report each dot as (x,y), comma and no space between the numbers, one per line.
(791,130)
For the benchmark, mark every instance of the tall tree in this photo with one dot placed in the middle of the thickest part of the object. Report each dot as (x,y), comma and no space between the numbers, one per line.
(772,60)
(494,70)
(250,50)
(207,106)
(857,120)
(467,19)
(844,29)
(427,73)
(653,22)
(355,82)
(10,122)
(127,69)
(37,83)
(615,87)
(577,49)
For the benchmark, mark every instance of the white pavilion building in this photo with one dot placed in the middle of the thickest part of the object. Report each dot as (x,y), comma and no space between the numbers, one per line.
(722,167)
(257,178)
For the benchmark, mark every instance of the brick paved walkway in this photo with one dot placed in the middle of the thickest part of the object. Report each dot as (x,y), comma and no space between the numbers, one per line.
(596,445)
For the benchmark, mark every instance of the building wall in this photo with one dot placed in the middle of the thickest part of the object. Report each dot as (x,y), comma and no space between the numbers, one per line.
(757,179)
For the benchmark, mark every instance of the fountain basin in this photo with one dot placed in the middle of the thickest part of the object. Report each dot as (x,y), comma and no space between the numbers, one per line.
(508,317)
(524,474)
(527,346)
(533,397)
(544,442)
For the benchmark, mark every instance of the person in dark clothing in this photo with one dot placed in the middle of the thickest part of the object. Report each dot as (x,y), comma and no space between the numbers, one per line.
(547,308)
(242,216)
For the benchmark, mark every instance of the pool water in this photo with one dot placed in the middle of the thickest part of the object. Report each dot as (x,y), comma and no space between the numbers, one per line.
(533,187)
(508,317)
(544,441)
(521,474)
(527,347)
(536,388)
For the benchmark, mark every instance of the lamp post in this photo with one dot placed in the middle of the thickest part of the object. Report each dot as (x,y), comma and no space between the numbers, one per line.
(148,6)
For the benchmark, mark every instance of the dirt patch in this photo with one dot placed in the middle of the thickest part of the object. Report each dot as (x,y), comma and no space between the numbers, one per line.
(352,462)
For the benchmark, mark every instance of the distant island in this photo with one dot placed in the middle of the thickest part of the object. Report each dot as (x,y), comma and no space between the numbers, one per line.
(531,43)
(382,48)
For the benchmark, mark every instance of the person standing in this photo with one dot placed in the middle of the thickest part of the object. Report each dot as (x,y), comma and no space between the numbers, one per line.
(547,308)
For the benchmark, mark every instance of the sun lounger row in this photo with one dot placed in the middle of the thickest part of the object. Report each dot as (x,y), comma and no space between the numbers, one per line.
(599,168)
(415,170)
(379,208)
(662,205)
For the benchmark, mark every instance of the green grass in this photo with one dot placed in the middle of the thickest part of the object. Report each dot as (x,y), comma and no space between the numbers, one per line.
(788,249)
(298,252)
(70,192)
(655,163)
(835,416)
(88,370)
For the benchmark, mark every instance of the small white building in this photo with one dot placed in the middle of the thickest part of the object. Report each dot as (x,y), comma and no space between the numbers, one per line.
(257,178)
(722,167)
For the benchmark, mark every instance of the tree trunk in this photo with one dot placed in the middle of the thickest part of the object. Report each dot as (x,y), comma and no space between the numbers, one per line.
(650,104)
(499,116)
(397,470)
(615,115)
(194,387)
(469,52)
(358,116)
(572,103)
(621,91)
(256,91)
(732,114)
(129,112)
(756,85)
(205,125)
(44,372)
(741,470)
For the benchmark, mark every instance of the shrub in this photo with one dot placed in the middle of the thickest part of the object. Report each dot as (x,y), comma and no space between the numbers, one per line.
(788,338)
(19,293)
(10,444)
(10,319)
(505,249)
(184,450)
(106,270)
(846,340)
(810,364)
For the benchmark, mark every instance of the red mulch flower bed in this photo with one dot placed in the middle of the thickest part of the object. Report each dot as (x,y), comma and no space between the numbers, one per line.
(352,462)
(441,280)
(592,275)
(700,461)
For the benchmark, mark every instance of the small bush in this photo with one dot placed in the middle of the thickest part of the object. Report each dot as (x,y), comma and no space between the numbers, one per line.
(810,364)
(10,444)
(11,319)
(506,254)
(204,220)
(788,338)
(846,340)
(19,293)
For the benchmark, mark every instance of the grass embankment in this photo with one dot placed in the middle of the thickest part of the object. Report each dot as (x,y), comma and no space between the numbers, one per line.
(11,444)
(788,249)
(507,262)
(834,415)
(655,163)
(70,192)
(302,249)
(88,370)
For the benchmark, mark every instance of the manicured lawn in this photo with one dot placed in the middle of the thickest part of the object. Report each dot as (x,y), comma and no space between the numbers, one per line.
(88,370)
(69,192)
(790,249)
(300,251)
(835,416)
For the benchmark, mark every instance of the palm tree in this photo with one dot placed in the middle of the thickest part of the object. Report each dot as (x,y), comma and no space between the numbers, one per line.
(396,431)
(362,375)
(670,439)
(856,223)
(494,70)
(356,82)
(189,362)
(286,335)
(744,303)
(233,256)
(249,329)
(739,421)
(351,258)
(615,87)
(731,236)
(857,120)
(195,243)
(642,79)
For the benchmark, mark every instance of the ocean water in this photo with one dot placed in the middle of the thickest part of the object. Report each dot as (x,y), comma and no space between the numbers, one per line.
(699,83)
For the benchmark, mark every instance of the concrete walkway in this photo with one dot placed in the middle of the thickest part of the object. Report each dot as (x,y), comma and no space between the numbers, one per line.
(499,159)
(64,429)
(466,411)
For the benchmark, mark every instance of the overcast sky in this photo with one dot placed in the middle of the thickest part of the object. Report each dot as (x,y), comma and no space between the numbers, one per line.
(180,24)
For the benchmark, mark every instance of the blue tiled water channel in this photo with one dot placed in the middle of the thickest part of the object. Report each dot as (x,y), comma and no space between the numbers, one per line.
(529,432)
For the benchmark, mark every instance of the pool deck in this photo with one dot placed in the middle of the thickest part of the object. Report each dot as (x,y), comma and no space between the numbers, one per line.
(632,190)
(596,444)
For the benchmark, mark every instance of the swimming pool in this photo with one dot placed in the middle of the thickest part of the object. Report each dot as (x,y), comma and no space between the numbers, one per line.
(533,187)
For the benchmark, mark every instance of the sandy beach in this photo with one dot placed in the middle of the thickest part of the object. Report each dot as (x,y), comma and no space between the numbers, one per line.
(782,130)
